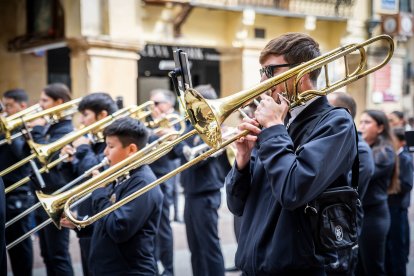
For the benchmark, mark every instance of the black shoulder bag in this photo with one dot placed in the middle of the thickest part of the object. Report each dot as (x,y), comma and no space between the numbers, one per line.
(333,214)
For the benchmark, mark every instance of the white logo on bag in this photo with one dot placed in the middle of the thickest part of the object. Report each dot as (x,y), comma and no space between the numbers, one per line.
(339,233)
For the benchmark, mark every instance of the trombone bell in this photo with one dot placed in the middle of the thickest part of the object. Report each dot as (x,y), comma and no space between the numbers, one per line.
(203,118)
(53,205)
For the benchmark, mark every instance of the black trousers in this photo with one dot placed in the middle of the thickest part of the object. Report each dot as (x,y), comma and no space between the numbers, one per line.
(294,272)
(54,247)
(398,242)
(85,245)
(3,257)
(21,255)
(164,249)
(372,242)
(201,219)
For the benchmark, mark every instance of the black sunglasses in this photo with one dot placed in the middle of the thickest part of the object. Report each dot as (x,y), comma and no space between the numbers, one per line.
(269,69)
(157,103)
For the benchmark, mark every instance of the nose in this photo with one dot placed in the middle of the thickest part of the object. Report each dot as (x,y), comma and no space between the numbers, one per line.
(106,151)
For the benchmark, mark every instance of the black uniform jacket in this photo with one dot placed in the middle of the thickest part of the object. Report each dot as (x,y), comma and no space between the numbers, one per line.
(366,166)
(366,171)
(11,154)
(3,254)
(384,158)
(54,179)
(123,241)
(285,173)
(202,177)
(86,157)
(402,199)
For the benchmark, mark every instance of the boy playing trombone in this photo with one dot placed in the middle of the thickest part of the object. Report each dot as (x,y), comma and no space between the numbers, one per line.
(123,241)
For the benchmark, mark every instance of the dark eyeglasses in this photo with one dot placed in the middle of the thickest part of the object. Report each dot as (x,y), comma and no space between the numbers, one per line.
(269,69)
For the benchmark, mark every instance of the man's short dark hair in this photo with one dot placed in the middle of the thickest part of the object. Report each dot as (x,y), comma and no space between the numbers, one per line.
(98,102)
(296,48)
(129,131)
(18,95)
(345,100)
(58,91)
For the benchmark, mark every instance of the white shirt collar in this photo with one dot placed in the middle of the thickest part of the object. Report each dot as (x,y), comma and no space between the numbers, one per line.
(294,112)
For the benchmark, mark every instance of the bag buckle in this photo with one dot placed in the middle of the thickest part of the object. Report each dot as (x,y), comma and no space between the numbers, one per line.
(311,209)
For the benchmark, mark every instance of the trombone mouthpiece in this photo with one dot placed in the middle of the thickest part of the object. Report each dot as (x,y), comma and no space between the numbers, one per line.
(105,162)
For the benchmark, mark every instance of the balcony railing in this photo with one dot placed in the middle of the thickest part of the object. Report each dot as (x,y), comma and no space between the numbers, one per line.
(320,8)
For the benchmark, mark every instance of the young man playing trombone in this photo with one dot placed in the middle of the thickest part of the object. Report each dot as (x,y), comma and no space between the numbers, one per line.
(21,256)
(280,168)
(54,243)
(123,242)
(86,153)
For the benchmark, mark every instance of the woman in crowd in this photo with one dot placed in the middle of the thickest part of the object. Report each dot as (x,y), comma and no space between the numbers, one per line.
(376,132)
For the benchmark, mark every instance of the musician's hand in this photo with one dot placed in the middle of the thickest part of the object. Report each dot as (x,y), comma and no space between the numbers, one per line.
(81,141)
(67,223)
(68,149)
(162,131)
(271,111)
(37,122)
(156,113)
(244,145)
(95,173)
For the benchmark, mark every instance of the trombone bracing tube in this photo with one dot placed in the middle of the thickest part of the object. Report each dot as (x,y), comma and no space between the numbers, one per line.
(37,174)
(18,164)
(41,170)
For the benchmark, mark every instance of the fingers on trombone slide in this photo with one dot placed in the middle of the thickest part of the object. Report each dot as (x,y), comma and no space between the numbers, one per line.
(64,222)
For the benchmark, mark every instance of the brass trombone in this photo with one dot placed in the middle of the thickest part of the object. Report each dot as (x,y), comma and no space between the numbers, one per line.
(53,114)
(207,116)
(5,121)
(43,152)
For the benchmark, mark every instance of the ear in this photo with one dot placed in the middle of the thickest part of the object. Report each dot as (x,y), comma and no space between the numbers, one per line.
(23,105)
(380,129)
(132,148)
(306,81)
(59,101)
(102,115)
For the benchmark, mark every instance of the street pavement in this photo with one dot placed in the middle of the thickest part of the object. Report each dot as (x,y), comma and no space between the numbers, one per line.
(181,253)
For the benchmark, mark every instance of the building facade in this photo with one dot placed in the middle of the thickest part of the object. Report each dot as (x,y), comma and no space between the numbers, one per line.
(125,47)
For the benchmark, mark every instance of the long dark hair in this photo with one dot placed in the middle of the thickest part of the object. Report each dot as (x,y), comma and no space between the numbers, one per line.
(386,139)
